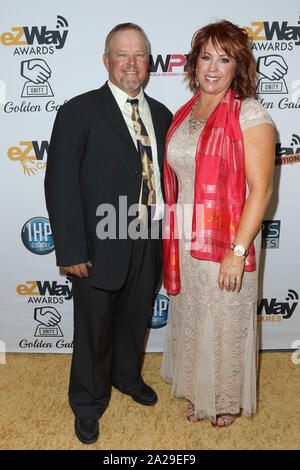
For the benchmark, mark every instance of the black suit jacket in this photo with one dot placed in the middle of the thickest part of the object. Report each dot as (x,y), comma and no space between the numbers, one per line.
(92,160)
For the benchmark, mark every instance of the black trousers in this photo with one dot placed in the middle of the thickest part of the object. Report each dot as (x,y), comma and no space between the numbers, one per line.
(109,332)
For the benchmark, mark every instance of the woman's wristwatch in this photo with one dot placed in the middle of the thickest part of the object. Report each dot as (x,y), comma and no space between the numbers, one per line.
(238,250)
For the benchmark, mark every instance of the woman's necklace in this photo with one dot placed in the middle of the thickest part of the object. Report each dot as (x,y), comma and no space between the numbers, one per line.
(195,124)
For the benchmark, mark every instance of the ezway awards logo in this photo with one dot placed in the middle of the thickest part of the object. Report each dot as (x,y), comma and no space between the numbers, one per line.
(273,36)
(289,154)
(47,296)
(36,40)
(275,311)
(275,40)
(30,154)
(37,73)
(49,292)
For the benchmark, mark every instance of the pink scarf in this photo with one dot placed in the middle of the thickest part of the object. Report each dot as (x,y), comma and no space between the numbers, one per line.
(219,191)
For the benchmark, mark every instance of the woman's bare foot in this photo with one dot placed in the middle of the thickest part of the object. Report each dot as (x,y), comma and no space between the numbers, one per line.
(224,420)
(191,414)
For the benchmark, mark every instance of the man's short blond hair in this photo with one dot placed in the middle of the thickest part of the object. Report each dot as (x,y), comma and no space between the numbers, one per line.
(125,27)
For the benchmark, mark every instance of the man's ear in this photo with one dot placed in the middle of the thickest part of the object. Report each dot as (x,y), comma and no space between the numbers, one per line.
(105,61)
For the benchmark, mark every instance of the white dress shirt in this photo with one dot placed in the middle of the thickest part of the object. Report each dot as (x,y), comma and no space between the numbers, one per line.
(144,111)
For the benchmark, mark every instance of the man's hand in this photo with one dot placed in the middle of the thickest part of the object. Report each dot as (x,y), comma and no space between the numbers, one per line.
(79,270)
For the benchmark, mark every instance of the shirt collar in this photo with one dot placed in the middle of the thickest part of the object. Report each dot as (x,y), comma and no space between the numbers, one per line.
(121,97)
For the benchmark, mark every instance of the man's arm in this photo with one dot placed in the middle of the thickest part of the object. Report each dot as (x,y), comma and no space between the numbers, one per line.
(62,188)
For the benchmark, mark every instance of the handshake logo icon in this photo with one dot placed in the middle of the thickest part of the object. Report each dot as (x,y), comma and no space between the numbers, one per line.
(271,70)
(37,72)
(48,319)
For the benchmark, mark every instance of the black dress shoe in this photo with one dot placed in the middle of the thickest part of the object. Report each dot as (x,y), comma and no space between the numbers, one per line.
(87,430)
(145,395)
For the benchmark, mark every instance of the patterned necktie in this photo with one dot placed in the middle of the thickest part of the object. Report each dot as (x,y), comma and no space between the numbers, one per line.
(147,194)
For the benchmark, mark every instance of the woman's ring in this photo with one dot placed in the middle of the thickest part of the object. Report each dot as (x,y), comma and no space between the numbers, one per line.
(232,282)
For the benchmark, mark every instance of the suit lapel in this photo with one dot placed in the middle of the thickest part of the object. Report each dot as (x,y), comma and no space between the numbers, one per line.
(109,107)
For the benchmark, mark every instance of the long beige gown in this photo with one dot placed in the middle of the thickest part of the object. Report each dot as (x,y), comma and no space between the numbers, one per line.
(210,351)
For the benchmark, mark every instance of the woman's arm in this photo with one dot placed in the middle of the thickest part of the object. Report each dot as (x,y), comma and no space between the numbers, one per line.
(259,165)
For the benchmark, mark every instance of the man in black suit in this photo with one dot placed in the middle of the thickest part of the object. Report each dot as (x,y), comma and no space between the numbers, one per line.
(95,175)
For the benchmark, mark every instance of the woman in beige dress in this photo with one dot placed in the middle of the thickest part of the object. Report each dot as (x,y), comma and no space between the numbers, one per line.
(210,351)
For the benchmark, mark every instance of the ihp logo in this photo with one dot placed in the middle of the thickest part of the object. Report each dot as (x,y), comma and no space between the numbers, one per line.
(37,236)
(159,316)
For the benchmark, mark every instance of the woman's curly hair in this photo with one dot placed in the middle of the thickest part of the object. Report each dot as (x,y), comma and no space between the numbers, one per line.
(235,43)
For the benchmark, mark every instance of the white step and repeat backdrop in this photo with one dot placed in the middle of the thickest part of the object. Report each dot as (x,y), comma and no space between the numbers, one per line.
(51,51)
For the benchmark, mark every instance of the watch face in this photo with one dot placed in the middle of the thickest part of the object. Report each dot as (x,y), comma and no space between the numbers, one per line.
(239,250)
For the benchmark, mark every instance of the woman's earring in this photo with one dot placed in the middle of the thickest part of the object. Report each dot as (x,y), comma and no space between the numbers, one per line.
(196,81)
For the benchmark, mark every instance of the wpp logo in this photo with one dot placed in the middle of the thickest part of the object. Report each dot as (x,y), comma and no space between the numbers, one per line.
(163,66)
